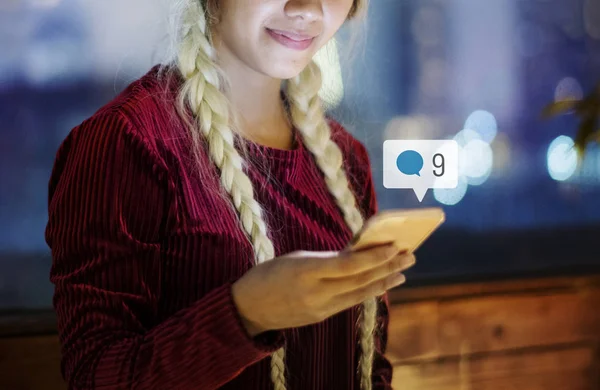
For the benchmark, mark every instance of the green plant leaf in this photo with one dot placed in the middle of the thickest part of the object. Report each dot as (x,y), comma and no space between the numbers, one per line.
(560,107)
(585,133)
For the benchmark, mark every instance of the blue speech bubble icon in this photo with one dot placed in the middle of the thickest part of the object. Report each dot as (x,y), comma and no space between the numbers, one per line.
(410,162)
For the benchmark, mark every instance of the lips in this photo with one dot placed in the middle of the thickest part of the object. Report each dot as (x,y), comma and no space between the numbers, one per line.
(292,35)
(291,40)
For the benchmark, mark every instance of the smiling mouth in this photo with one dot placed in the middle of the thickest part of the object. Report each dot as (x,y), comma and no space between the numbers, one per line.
(292,35)
(291,40)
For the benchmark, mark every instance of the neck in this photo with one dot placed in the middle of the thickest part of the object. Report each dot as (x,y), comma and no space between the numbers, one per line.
(256,100)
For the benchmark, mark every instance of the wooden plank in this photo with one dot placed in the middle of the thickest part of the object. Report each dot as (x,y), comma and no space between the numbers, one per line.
(30,363)
(413,331)
(403,293)
(428,329)
(508,322)
(553,369)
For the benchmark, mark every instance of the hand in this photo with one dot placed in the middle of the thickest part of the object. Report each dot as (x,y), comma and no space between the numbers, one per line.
(303,288)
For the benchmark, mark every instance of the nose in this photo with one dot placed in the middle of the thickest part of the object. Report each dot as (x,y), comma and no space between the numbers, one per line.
(307,10)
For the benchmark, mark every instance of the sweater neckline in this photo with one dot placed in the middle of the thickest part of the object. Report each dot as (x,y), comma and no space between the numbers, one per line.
(273,153)
(260,150)
(286,162)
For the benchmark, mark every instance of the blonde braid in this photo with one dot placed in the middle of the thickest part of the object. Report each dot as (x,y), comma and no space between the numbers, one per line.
(203,92)
(308,117)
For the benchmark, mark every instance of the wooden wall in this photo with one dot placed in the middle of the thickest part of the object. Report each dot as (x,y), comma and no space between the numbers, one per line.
(527,334)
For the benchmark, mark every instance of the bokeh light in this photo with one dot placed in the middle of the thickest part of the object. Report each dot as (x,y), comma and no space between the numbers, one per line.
(568,89)
(484,123)
(465,136)
(451,196)
(562,158)
(475,161)
(48,61)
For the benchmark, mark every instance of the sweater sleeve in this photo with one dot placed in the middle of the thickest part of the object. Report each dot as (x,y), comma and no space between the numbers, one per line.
(110,198)
(382,368)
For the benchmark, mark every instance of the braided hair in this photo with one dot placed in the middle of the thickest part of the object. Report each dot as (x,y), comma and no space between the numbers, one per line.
(203,93)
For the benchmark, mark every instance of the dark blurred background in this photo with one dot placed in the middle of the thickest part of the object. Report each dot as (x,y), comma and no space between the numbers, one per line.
(476,71)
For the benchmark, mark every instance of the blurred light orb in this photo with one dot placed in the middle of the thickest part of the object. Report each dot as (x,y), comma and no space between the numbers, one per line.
(568,89)
(479,180)
(484,123)
(562,158)
(451,196)
(465,136)
(475,161)
(48,61)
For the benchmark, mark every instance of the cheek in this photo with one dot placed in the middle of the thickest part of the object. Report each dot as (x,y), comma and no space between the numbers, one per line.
(239,36)
(335,14)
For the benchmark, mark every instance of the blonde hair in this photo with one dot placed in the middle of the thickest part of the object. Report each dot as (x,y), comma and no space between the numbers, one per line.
(203,92)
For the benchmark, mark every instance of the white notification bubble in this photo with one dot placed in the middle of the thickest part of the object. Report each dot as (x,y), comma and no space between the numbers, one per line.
(420,165)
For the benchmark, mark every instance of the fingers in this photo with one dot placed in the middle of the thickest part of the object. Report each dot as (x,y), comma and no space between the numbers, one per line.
(338,286)
(374,289)
(353,263)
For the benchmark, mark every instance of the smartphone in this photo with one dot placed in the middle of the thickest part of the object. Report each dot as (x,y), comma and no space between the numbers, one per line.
(407,229)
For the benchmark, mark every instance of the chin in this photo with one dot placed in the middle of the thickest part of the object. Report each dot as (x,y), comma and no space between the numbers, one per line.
(285,71)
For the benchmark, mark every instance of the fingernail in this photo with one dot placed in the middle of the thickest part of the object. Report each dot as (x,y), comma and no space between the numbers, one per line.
(409,260)
(399,279)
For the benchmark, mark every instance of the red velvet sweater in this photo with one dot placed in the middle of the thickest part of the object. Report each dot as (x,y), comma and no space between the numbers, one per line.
(144,256)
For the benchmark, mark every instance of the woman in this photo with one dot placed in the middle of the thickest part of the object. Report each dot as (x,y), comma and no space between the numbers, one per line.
(198,221)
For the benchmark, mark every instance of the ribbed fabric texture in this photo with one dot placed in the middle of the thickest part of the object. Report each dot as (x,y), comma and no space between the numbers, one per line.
(145,253)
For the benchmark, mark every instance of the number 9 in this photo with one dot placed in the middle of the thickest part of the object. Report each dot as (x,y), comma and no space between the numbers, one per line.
(438,156)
